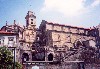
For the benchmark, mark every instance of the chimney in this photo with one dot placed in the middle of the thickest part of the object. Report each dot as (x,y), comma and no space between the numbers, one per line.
(6,23)
(14,22)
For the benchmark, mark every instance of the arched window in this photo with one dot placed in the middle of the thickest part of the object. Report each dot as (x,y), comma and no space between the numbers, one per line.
(78,44)
(50,57)
(25,57)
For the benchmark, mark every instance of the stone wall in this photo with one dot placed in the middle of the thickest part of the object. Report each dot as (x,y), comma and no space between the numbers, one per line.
(68,66)
(61,39)
(60,35)
(64,28)
(92,66)
(63,36)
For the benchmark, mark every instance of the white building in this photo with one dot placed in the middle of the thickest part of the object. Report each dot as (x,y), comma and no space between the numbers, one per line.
(8,39)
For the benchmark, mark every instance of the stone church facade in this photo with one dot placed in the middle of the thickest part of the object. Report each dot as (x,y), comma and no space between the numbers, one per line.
(27,35)
(50,39)
(61,38)
(63,35)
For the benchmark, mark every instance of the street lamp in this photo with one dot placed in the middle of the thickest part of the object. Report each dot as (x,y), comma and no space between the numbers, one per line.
(13,48)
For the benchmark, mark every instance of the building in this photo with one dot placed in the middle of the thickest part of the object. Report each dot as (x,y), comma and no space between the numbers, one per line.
(27,34)
(51,40)
(14,28)
(61,38)
(10,39)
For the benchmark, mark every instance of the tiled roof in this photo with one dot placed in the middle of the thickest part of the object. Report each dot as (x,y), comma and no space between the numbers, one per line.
(4,32)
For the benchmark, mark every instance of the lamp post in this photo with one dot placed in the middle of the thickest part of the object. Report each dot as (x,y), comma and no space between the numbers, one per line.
(13,48)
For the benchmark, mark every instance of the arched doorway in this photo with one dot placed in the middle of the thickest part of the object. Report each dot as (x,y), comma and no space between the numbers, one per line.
(25,57)
(50,57)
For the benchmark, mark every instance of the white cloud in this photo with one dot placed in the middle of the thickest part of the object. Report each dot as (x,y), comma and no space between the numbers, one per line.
(66,7)
(68,12)
(95,3)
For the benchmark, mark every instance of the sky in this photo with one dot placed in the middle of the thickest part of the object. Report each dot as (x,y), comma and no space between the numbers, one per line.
(81,13)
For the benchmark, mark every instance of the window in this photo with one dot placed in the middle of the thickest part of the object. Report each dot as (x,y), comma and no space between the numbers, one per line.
(21,44)
(31,22)
(0,41)
(31,19)
(25,57)
(3,41)
(8,30)
(50,57)
(59,39)
(11,38)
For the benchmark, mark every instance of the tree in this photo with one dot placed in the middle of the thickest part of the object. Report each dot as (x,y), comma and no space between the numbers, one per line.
(18,65)
(6,59)
(88,55)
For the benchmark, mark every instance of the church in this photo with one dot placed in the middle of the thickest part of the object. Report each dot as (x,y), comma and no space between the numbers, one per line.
(51,40)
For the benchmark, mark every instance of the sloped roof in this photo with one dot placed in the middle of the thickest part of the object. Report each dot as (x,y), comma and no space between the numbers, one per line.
(7,33)
(67,25)
(47,22)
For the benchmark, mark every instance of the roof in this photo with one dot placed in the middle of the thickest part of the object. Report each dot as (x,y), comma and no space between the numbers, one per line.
(66,25)
(4,28)
(7,33)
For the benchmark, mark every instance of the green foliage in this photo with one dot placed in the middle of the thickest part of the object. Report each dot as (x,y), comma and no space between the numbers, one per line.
(18,65)
(89,55)
(6,59)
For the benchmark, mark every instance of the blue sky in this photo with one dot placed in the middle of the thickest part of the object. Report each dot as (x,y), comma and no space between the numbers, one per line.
(82,13)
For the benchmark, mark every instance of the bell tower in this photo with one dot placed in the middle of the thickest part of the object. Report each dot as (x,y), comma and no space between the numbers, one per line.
(30,20)
(29,34)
